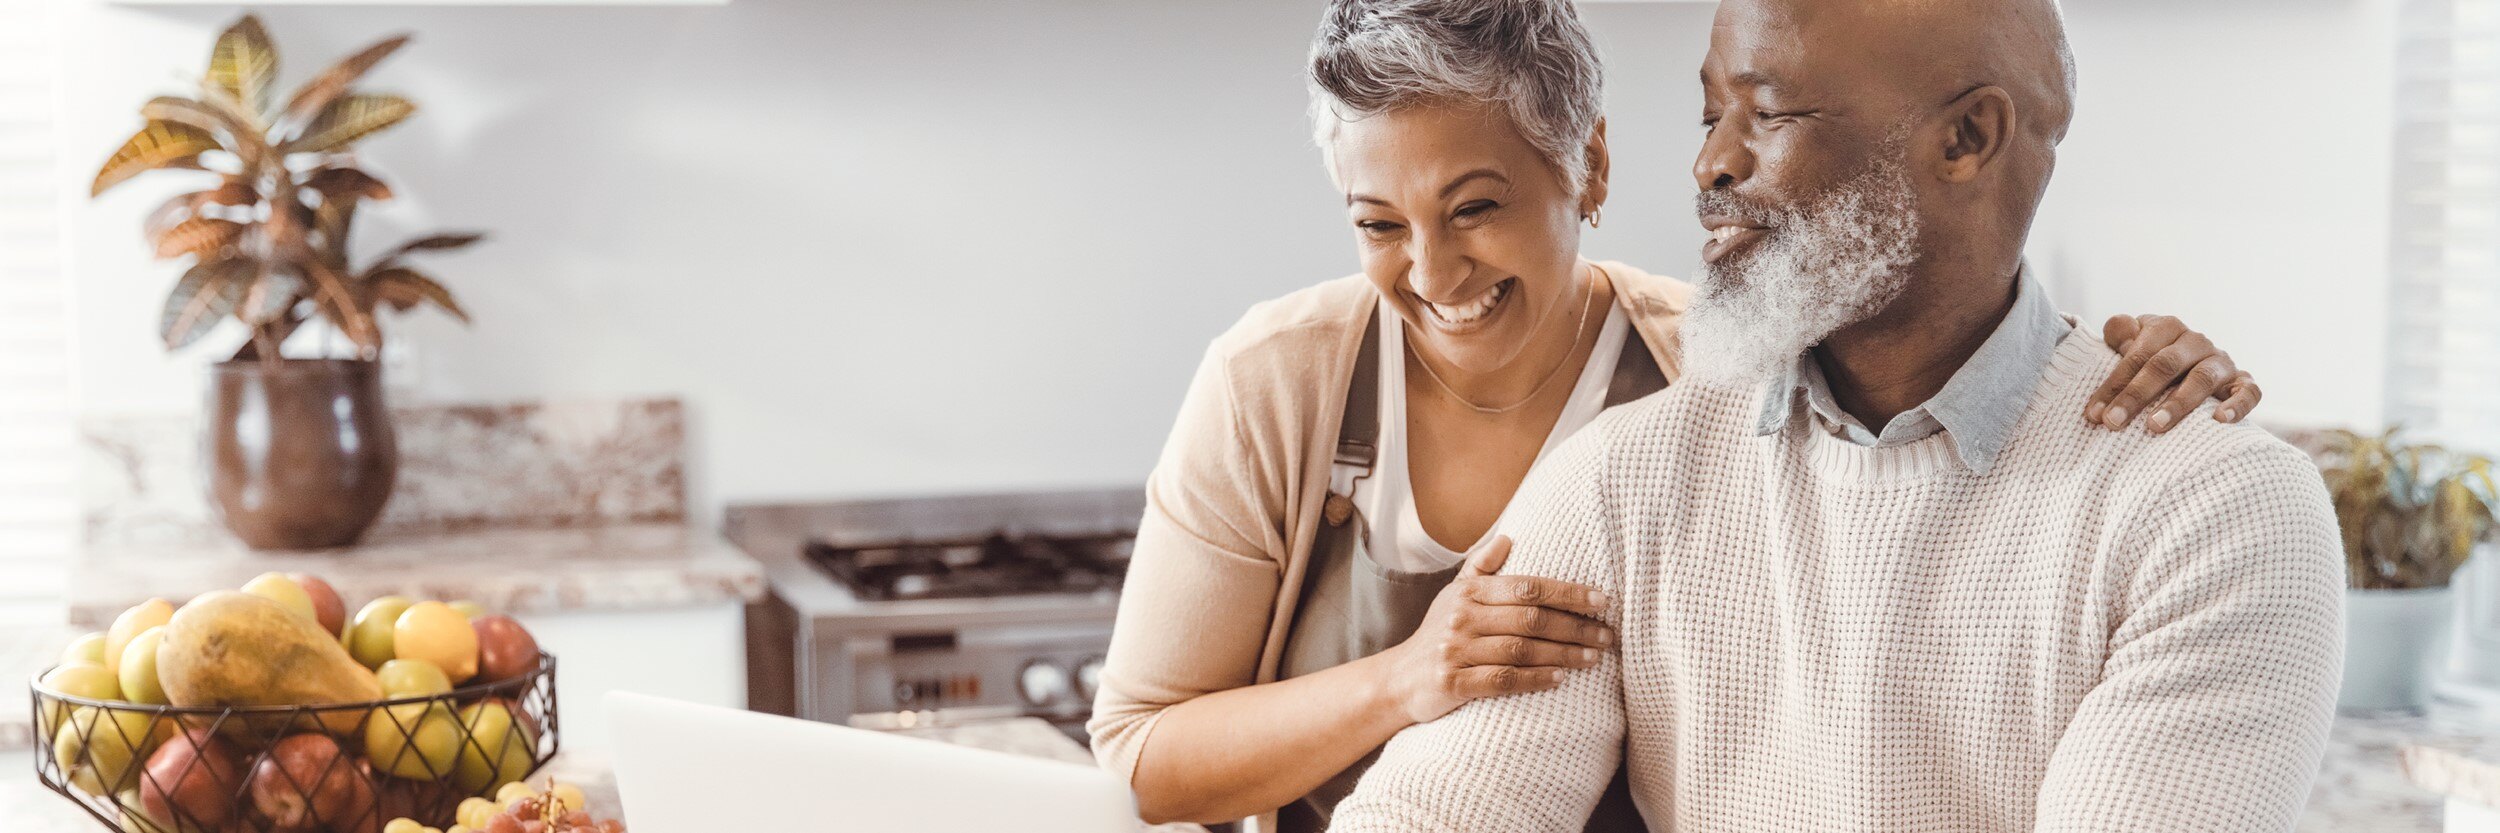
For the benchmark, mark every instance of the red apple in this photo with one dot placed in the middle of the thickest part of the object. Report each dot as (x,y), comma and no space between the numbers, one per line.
(327,607)
(305,781)
(505,650)
(191,781)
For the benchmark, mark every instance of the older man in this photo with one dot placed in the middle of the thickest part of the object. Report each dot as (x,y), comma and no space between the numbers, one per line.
(1874,574)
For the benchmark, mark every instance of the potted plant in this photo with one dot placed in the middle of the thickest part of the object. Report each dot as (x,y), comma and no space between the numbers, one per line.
(2411,514)
(300,449)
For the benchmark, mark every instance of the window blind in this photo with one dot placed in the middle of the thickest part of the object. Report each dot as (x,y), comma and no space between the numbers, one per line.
(38,484)
(2443,380)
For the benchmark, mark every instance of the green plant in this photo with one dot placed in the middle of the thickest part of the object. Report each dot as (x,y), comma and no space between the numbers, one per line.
(268,241)
(2411,513)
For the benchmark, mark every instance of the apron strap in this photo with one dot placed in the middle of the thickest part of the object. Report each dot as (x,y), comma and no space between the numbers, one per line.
(1358,430)
(1636,372)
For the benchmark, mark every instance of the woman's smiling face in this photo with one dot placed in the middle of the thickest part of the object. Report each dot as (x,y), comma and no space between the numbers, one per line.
(1468,231)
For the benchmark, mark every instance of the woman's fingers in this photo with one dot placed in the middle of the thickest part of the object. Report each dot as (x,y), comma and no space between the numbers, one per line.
(1496,680)
(2124,334)
(1532,591)
(2158,372)
(2242,396)
(1536,622)
(1488,560)
(2202,381)
(1521,651)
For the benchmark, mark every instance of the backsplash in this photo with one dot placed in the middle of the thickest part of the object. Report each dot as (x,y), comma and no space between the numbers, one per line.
(567,463)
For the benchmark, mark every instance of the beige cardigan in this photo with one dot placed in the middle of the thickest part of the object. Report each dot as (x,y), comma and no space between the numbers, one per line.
(1233,506)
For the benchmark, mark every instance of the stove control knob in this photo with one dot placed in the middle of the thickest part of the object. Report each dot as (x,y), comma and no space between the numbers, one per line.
(1088,678)
(1042,683)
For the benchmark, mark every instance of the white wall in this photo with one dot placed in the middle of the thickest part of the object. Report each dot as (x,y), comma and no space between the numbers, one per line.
(890,247)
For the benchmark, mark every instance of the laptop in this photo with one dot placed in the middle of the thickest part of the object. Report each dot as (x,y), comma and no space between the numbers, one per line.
(688,768)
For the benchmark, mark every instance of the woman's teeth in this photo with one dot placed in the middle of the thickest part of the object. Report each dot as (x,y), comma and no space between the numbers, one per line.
(1474,309)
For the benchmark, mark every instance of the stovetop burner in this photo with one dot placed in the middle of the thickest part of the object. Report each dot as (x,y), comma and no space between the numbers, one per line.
(999,565)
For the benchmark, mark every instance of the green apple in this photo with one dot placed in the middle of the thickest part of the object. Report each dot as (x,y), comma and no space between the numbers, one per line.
(499,750)
(78,679)
(417,741)
(412,678)
(89,648)
(369,637)
(138,671)
(278,588)
(101,748)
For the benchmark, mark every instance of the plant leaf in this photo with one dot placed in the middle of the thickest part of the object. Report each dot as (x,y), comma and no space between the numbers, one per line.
(404,288)
(349,119)
(160,144)
(202,236)
(206,294)
(317,94)
(185,206)
(244,65)
(347,182)
(239,138)
(431,243)
(340,304)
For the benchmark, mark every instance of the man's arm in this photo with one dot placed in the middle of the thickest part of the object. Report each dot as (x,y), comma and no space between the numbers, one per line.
(1526,762)
(2214,703)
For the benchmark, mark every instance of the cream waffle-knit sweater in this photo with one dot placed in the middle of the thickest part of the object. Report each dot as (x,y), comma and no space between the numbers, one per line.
(2106,632)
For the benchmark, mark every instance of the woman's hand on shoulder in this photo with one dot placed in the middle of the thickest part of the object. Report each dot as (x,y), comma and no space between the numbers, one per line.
(1489,635)
(2166,370)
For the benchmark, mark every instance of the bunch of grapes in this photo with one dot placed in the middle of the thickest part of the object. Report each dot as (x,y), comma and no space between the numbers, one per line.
(519,809)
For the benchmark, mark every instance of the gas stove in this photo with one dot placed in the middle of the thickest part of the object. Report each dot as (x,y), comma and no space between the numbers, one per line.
(919,611)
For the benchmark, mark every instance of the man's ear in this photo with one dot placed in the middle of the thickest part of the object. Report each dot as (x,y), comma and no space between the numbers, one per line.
(1593,190)
(1977,127)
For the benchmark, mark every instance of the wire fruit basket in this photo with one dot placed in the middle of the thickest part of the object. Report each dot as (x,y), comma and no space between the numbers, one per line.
(336,768)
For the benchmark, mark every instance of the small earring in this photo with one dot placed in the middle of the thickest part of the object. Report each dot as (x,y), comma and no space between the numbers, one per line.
(1592,216)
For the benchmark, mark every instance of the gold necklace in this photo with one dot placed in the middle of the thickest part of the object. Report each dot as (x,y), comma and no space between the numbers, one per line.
(1586,298)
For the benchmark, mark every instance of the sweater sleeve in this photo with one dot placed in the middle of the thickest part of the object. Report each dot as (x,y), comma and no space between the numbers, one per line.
(1202,578)
(1527,762)
(2218,690)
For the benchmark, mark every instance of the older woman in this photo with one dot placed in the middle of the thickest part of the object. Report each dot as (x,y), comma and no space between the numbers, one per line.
(1314,571)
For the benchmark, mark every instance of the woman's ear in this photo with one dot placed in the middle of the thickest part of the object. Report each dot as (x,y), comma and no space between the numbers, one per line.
(1593,190)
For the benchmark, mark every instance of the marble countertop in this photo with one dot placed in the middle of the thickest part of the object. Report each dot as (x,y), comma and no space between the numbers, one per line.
(506,569)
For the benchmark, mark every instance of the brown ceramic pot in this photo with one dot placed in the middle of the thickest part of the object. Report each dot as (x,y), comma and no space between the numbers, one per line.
(300,451)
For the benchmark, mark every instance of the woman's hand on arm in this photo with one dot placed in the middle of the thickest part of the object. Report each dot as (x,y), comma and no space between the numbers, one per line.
(1489,635)
(1244,751)
(2166,370)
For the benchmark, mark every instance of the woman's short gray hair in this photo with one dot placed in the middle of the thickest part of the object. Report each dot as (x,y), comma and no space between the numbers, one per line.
(1531,58)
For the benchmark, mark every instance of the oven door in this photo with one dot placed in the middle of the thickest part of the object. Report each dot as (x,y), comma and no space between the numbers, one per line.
(1040,670)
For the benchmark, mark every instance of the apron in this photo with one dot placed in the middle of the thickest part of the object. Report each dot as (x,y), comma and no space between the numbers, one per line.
(1353,607)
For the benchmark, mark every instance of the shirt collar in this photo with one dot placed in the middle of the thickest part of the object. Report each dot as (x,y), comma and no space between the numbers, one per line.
(1977,409)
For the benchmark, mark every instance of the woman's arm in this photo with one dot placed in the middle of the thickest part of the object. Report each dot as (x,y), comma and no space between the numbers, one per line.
(1245,751)
(2159,355)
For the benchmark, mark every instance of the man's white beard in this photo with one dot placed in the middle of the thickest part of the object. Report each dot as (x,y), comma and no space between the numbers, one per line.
(1831,263)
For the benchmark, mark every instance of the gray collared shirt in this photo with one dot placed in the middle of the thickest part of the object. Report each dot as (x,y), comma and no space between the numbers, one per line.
(1977,408)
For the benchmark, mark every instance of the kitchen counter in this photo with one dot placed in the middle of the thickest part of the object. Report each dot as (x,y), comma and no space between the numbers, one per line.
(26,807)
(516,570)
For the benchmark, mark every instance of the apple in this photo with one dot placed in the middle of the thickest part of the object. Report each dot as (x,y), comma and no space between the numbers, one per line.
(286,592)
(138,671)
(100,748)
(500,750)
(370,639)
(148,614)
(432,631)
(89,648)
(328,608)
(417,741)
(505,650)
(306,781)
(192,780)
(412,678)
(77,679)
